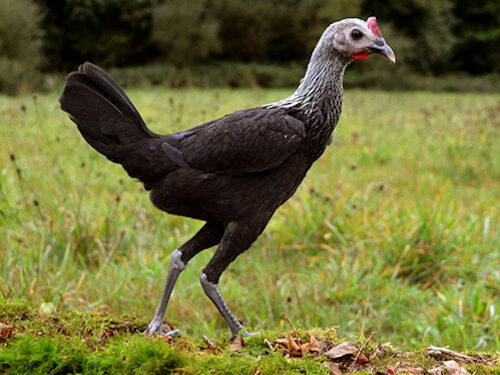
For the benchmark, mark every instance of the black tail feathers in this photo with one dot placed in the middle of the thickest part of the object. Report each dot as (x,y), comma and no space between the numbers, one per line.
(110,123)
(103,113)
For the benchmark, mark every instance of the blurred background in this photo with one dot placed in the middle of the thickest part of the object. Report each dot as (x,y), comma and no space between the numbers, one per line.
(440,44)
(396,229)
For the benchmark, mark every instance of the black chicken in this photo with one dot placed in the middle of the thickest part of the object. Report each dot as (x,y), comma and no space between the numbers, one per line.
(233,172)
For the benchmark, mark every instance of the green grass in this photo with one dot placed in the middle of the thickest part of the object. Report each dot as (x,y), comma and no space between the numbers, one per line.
(395,229)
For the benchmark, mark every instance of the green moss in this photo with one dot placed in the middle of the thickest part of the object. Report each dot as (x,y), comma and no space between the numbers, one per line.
(43,355)
(138,355)
(273,363)
(59,355)
(15,310)
(481,369)
(391,357)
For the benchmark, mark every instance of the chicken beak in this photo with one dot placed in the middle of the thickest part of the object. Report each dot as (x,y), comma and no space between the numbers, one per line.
(385,50)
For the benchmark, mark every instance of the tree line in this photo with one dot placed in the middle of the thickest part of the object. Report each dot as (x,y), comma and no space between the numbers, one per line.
(429,36)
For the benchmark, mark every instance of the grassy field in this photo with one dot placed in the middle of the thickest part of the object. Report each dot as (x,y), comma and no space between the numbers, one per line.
(394,230)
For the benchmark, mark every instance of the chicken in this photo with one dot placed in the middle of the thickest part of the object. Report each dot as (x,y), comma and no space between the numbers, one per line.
(233,172)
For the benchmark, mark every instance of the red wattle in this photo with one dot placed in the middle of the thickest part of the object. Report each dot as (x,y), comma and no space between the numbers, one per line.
(359,56)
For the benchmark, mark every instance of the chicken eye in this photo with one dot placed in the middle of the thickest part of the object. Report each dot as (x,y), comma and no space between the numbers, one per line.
(356,34)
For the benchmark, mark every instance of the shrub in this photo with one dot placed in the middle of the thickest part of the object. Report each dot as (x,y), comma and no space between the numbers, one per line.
(185,32)
(20,41)
(107,32)
(426,26)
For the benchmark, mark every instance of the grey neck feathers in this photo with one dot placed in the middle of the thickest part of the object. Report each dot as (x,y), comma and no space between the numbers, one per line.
(319,95)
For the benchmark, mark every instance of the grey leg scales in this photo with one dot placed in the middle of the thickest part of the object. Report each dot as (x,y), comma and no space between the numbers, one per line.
(212,291)
(175,268)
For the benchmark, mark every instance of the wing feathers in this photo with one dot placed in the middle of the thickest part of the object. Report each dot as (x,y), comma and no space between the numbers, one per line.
(249,141)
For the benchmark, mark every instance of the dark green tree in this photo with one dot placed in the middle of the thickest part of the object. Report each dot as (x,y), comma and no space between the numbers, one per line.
(108,32)
(276,30)
(186,31)
(245,29)
(426,26)
(20,42)
(477,49)
(429,36)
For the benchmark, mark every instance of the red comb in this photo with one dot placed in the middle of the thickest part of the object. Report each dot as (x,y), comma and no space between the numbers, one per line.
(372,25)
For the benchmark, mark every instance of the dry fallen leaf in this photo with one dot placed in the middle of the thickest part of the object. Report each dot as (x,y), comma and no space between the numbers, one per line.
(390,370)
(450,368)
(414,370)
(333,367)
(169,339)
(305,347)
(185,345)
(344,349)
(214,350)
(362,359)
(454,368)
(293,347)
(324,346)
(313,344)
(435,371)
(5,331)
(282,342)
(238,343)
(257,371)
(106,333)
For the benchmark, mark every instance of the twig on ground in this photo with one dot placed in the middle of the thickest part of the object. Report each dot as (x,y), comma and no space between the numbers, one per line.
(207,341)
(283,315)
(435,350)
(269,344)
(362,347)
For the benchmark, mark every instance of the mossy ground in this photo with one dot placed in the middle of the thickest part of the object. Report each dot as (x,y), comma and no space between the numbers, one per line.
(95,343)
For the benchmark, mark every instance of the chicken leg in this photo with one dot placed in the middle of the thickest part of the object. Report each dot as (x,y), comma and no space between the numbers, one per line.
(208,236)
(236,239)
